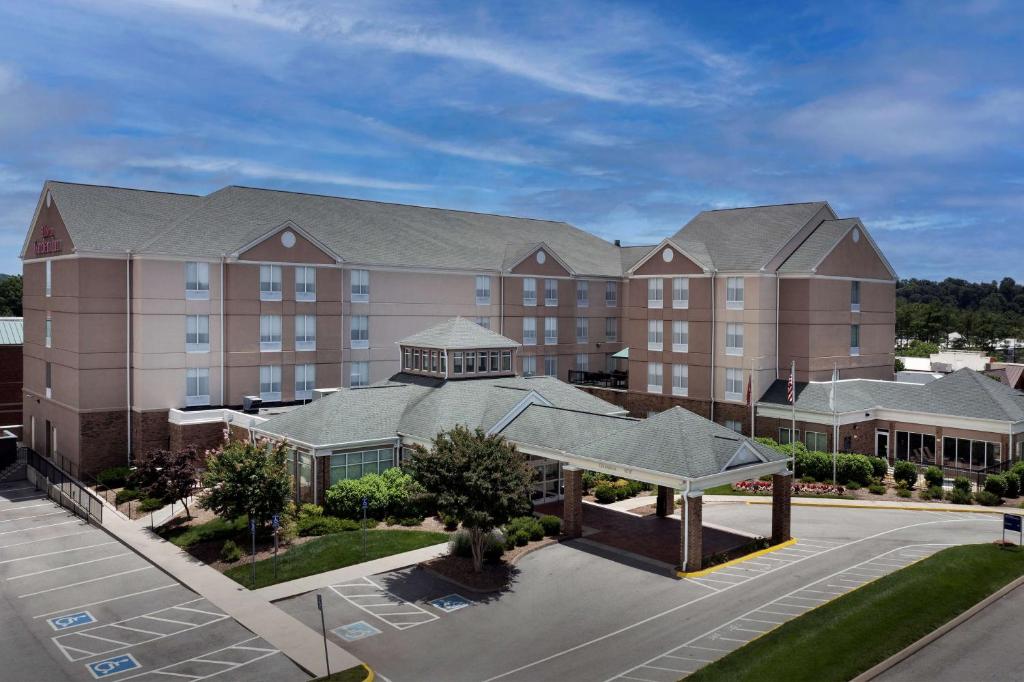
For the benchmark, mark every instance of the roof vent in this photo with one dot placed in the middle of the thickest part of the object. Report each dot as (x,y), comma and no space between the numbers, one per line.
(618,242)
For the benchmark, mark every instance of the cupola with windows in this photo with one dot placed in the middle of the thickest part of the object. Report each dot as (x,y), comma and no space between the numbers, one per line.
(458,349)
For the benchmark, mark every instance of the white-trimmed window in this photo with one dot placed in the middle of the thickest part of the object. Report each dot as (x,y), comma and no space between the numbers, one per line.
(270,282)
(680,379)
(305,332)
(551,292)
(305,381)
(197,333)
(655,335)
(49,332)
(470,361)
(855,296)
(611,294)
(49,278)
(551,365)
(734,425)
(457,362)
(484,322)
(49,380)
(360,283)
(506,361)
(529,331)
(270,383)
(305,283)
(529,365)
(680,292)
(680,336)
(582,329)
(734,338)
(655,292)
(359,374)
(733,383)
(734,293)
(483,290)
(270,333)
(583,362)
(854,339)
(654,377)
(550,331)
(611,329)
(582,294)
(529,291)
(360,331)
(785,437)
(817,441)
(407,358)
(197,281)
(197,386)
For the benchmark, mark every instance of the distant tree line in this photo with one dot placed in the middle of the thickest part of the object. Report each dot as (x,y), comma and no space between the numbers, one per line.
(983,313)
(10,295)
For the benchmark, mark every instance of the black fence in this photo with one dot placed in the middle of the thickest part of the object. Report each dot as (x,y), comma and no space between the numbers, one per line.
(62,488)
(975,475)
(8,449)
(600,379)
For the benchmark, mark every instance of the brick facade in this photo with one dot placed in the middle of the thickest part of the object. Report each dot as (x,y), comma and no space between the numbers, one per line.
(204,436)
(666,503)
(782,493)
(149,432)
(691,547)
(11,368)
(102,435)
(572,517)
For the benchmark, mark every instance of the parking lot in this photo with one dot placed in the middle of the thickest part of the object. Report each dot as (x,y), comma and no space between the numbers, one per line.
(577,612)
(79,605)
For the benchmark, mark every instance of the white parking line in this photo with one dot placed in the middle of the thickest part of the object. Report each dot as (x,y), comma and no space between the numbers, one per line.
(61,568)
(223,666)
(30,542)
(11,490)
(49,525)
(37,516)
(84,582)
(104,601)
(63,551)
(19,507)
(402,620)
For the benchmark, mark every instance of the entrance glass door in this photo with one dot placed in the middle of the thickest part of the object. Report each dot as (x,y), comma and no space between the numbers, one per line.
(882,444)
(547,480)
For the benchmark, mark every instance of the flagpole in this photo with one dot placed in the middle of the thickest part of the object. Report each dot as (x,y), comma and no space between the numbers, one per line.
(792,432)
(753,432)
(835,422)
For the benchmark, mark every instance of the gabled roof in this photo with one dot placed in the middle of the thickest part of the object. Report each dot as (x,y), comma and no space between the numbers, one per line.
(517,253)
(12,331)
(699,254)
(457,334)
(818,245)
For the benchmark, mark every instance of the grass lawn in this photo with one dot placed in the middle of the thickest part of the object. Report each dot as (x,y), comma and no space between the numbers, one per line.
(356,674)
(217,529)
(845,637)
(332,551)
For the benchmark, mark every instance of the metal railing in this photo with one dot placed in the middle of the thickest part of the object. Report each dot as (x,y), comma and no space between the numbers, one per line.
(600,379)
(62,488)
(975,475)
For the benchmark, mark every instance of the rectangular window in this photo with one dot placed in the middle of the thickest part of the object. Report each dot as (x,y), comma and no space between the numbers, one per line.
(529,331)
(197,333)
(680,292)
(433,362)
(197,386)
(734,339)
(582,362)
(529,365)
(481,364)
(484,322)
(734,425)
(784,436)
(49,278)
(506,361)
(483,290)
(855,296)
(551,365)
(49,379)
(416,359)
(550,331)
(270,333)
(494,361)
(816,441)
(305,283)
(734,293)
(351,465)
(611,294)
(270,282)
(197,281)
(305,332)
(305,381)
(360,332)
(733,383)
(270,383)
(582,294)
(49,333)
(360,281)
(655,335)
(551,292)
(457,362)
(407,358)
(680,379)
(611,329)
(680,336)
(655,292)
(582,329)
(359,374)
(530,291)
(470,362)
(654,375)
(854,339)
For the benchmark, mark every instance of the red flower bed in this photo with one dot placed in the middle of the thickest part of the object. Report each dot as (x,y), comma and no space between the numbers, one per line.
(765,488)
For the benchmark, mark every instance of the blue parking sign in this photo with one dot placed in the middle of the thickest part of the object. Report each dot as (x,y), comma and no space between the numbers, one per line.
(453,602)
(113,666)
(71,620)
(275,521)
(366,503)
(1011,522)
(356,631)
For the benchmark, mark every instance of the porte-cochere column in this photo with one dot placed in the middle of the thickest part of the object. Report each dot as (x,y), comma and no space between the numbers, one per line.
(691,545)
(782,494)
(572,516)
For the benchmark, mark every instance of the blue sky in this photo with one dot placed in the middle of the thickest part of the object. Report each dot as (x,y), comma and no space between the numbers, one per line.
(623,119)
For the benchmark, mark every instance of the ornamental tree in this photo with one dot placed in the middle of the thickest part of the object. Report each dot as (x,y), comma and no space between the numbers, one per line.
(244,478)
(479,480)
(167,475)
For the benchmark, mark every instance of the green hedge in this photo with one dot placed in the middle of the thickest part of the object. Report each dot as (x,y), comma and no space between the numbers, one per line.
(392,493)
(850,467)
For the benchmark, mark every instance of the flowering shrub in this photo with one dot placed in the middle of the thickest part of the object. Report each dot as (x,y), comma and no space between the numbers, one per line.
(765,488)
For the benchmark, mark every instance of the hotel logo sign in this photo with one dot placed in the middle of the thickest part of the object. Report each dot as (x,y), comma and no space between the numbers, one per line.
(49,242)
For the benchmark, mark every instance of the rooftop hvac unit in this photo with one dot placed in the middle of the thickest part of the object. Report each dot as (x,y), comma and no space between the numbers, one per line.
(251,404)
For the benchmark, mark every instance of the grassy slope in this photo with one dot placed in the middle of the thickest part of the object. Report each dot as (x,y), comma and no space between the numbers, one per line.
(216,529)
(856,631)
(333,551)
(356,674)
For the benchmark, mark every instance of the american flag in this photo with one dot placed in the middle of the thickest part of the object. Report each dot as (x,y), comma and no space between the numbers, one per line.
(790,389)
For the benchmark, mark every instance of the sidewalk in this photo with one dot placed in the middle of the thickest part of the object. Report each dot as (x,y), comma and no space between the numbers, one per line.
(909,505)
(291,588)
(293,638)
(161,516)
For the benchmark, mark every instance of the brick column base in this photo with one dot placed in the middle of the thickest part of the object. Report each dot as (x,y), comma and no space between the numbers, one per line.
(572,517)
(666,501)
(691,546)
(782,492)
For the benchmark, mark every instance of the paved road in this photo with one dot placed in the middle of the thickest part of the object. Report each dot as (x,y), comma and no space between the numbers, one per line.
(986,647)
(76,604)
(574,613)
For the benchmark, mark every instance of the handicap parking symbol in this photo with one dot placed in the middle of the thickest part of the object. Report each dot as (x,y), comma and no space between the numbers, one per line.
(113,666)
(354,631)
(453,602)
(71,620)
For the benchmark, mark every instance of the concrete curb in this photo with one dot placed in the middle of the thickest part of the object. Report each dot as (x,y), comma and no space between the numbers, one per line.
(842,504)
(939,632)
(738,560)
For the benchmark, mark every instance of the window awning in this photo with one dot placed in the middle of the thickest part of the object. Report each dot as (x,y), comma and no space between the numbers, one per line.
(623,354)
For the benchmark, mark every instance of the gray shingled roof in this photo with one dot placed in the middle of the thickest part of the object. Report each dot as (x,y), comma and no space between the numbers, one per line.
(458,333)
(744,239)
(12,331)
(964,393)
(817,245)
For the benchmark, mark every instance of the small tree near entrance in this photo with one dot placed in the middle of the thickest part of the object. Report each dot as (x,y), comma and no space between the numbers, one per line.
(247,479)
(480,481)
(167,475)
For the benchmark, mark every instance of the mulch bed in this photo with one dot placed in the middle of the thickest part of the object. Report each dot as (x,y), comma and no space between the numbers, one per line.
(494,578)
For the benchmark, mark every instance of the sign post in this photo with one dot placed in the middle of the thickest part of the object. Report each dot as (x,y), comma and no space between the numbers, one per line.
(252,533)
(275,520)
(365,505)
(323,629)
(1012,522)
